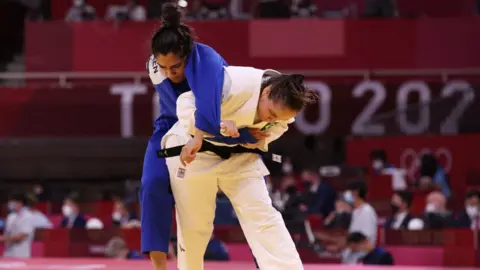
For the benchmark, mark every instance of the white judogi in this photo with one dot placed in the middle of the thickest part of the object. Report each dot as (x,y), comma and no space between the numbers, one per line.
(240,177)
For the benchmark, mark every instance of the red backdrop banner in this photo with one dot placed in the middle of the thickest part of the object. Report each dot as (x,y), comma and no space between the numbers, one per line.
(325,44)
(364,108)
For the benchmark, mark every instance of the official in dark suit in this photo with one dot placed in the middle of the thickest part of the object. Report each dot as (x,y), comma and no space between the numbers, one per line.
(72,218)
(319,195)
(469,216)
(401,217)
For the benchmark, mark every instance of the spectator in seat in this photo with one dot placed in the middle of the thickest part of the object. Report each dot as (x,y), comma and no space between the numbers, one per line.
(303,9)
(379,161)
(80,11)
(72,218)
(380,9)
(373,254)
(224,212)
(131,11)
(122,217)
(280,196)
(341,217)
(19,228)
(117,248)
(213,9)
(470,215)
(401,217)
(294,210)
(364,220)
(432,175)
(380,165)
(272,9)
(216,250)
(364,217)
(436,215)
(319,195)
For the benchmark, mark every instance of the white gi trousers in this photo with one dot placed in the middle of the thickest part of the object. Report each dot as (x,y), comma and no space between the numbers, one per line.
(241,178)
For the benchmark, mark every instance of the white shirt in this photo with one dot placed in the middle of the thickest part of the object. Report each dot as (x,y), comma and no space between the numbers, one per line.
(364,220)
(19,223)
(397,222)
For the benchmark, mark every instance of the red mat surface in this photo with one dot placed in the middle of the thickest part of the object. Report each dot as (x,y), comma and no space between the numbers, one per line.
(95,264)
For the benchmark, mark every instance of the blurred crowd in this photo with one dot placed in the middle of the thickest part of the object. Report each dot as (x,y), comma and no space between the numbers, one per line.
(82,10)
(348,217)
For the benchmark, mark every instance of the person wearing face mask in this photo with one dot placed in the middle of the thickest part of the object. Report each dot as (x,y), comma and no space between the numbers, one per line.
(371,253)
(123,218)
(319,195)
(287,167)
(294,211)
(341,217)
(378,159)
(72,218)
(80,11)
(401,216)
(436,215)
(19,228)
(364,220)
(364,217)
(470,216)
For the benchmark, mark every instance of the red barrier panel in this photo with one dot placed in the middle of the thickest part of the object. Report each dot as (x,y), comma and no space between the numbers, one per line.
(457,154)
(91,243)
(365,108)
(336,44)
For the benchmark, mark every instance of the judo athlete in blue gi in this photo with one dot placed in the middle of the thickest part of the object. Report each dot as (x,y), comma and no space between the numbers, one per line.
(177,65)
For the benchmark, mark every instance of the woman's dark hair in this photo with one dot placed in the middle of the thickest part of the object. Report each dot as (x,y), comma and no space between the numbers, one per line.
(405,196)
(428,165)
(356,238)
(174,36)
(290,90)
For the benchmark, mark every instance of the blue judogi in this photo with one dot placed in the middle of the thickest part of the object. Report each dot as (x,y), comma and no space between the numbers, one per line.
(205,75)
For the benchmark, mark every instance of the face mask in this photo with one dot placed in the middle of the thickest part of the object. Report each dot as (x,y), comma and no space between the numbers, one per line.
(377,164)
(67,210)
(395,208)
(12,206)
(430,208)
(291,190)
(287,168)
(116,216)
(472,211)
(348,196)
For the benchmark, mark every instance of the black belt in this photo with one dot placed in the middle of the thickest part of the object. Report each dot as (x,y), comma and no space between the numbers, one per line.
(224,152)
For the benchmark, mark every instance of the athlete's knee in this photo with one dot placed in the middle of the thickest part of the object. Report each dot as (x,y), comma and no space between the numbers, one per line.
(263,214)
(159,260)
(202,229)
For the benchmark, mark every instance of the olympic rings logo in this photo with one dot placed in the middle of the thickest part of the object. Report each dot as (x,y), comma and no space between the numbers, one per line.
(410,159)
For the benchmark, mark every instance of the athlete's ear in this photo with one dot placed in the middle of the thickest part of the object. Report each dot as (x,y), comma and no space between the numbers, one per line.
(266,91)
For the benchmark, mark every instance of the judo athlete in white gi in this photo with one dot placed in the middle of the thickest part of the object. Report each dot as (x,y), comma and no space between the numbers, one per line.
(261,100)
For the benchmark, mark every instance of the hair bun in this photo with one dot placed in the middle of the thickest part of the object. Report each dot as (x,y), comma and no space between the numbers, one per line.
(171,15)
